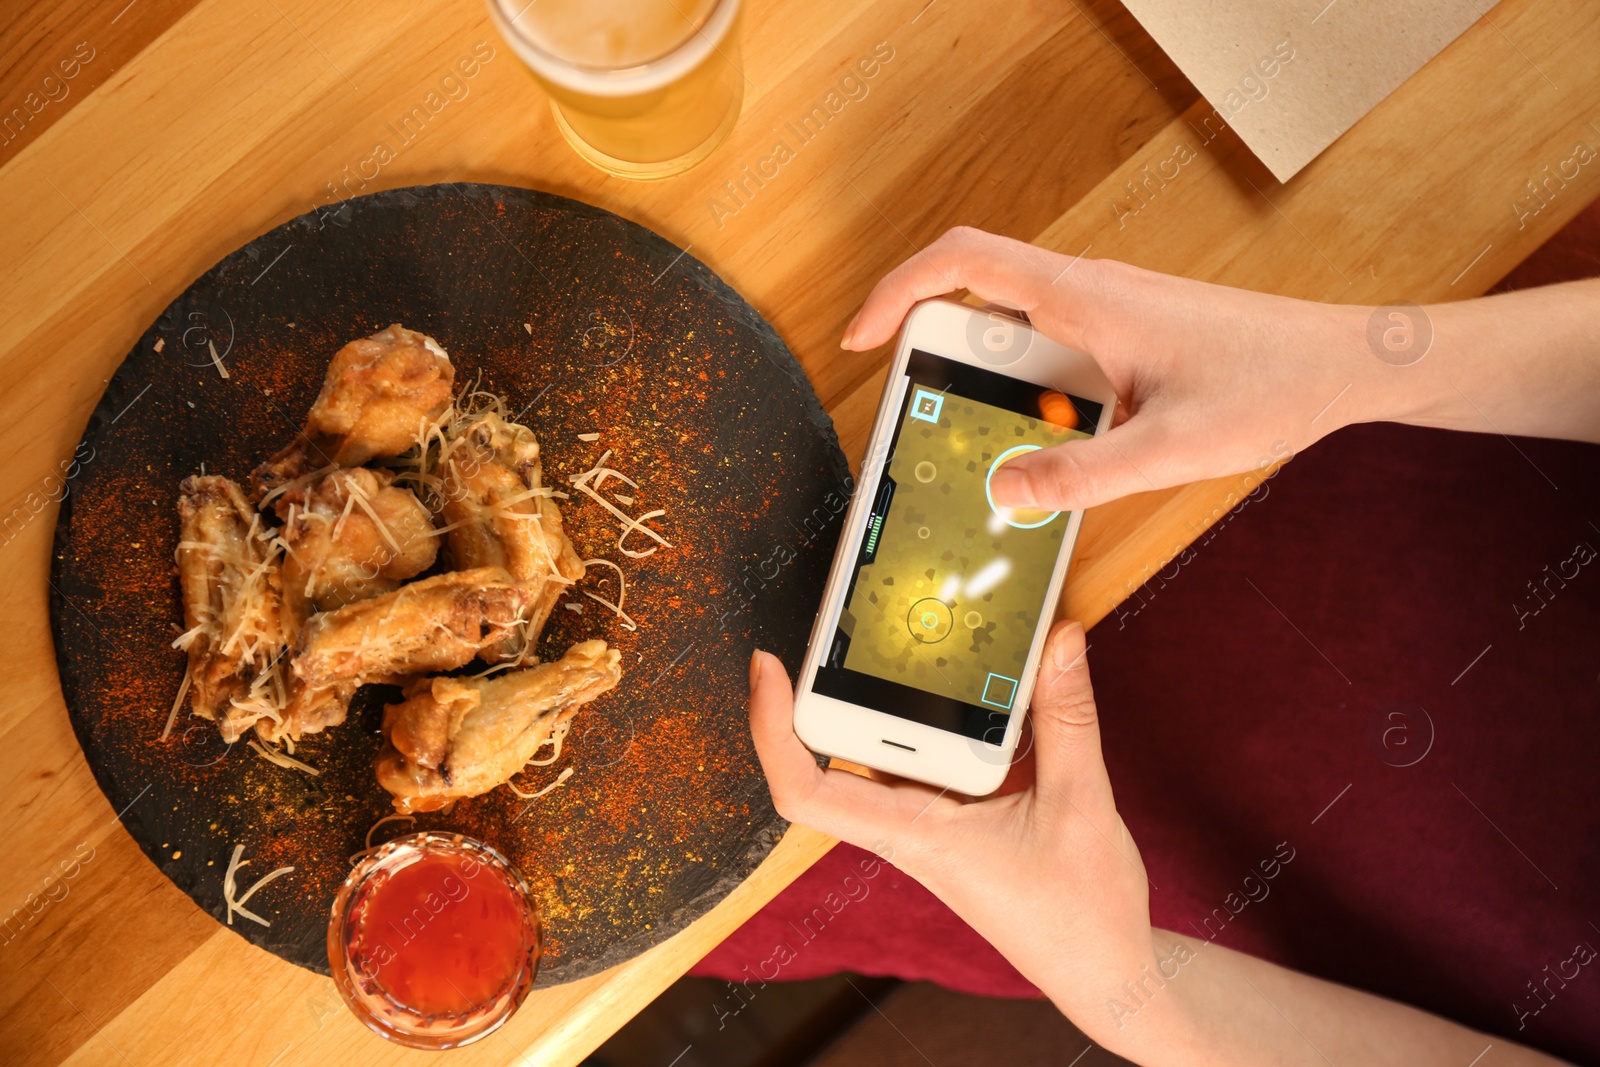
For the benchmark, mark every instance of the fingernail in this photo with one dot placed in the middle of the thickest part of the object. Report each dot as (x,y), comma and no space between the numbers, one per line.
(850,332)
(1062,653)
(1010,488)
(755,668)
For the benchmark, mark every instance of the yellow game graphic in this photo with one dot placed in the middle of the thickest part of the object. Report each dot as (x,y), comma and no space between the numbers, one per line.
(951,592)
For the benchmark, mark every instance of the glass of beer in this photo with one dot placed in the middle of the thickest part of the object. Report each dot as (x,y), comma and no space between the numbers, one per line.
(642,89)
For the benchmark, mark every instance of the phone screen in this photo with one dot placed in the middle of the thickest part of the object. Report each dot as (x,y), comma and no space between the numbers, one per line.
(947,589)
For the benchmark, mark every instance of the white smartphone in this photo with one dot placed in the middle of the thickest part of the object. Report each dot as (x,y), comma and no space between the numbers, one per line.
(925,649)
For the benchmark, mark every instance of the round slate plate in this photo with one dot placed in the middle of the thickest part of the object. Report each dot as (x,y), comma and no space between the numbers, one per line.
(587,323)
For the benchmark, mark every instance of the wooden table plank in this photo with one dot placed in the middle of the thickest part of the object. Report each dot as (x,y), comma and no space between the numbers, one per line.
(240,114)
(55,54)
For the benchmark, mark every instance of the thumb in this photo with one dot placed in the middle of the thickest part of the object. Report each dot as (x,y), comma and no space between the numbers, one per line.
(792,772)
(1080,474)
(1068,763)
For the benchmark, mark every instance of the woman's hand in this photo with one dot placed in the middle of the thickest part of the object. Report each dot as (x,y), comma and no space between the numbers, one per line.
(1214,381)
(1045,870)
(1211,380)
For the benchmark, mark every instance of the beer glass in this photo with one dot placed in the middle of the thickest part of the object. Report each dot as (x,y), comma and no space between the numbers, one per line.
(643,89)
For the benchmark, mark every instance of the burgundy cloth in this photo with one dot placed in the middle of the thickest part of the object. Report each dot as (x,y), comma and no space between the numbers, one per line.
(1388,662)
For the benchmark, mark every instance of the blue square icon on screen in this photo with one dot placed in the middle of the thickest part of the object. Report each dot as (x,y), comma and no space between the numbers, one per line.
(999,691)
(926,405)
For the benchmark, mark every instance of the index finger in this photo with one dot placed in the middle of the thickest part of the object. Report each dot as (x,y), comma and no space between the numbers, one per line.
(987,265)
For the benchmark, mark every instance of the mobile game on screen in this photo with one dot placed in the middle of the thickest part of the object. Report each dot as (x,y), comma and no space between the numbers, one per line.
(948,588)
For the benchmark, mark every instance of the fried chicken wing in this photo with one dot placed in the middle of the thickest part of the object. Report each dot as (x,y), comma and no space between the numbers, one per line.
(231,603)
(435,624)
(431,625)
(461,737)
(378,393)
(351,534)
(500,515)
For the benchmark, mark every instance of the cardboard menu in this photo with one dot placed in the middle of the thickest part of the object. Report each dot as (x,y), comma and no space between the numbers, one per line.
(1290,76)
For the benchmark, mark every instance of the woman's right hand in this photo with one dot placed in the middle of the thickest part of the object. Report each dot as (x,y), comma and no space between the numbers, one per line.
(1211,381)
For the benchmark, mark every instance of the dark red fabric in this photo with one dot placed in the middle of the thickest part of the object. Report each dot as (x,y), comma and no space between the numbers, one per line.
(1375,600)
(1387,662)
(883,924)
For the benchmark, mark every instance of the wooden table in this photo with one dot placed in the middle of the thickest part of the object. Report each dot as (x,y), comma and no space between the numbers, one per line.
(189,127)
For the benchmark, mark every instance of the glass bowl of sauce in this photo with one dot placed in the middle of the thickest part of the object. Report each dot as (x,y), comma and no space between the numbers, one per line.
(434,940)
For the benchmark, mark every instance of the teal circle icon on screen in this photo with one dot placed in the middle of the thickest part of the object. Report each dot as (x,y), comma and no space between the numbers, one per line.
(989,495)
(930,620)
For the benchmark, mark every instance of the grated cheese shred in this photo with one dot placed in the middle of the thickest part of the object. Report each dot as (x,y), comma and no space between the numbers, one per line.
(561,780)
(272,755)
(557,736)
(183,691)
(237,906)
(359,495)
(622,592)
(590,481)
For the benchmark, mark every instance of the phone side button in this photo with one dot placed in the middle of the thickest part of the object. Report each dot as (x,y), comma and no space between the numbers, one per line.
(896,744)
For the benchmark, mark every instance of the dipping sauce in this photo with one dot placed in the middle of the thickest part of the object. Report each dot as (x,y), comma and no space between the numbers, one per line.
(433,941)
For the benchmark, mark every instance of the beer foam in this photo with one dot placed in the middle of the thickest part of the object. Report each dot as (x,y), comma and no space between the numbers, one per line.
(626,81)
